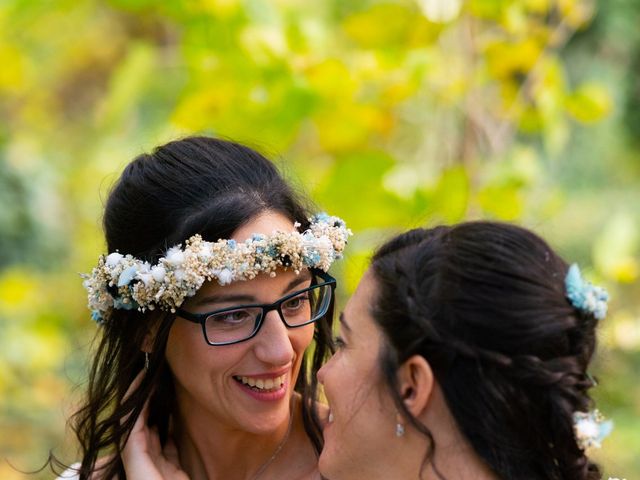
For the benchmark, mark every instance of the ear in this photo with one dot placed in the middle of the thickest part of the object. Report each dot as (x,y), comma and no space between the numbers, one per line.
(416,384)
(150,337)
(147,342)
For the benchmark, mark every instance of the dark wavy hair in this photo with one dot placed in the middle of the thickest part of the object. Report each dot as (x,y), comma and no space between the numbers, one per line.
(484,303)
(194,185)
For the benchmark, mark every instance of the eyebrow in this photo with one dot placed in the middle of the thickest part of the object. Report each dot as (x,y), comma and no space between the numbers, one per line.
(344,323)
(244,297)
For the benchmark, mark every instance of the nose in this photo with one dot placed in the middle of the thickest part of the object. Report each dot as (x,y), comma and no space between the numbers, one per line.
(323,372)
(273,343)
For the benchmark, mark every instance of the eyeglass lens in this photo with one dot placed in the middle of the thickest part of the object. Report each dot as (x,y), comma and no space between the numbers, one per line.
(241,323)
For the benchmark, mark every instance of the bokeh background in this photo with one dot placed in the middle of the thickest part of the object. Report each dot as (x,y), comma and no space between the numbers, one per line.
(389,113)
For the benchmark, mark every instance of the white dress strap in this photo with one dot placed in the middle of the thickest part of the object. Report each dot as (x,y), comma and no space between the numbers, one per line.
(70,473)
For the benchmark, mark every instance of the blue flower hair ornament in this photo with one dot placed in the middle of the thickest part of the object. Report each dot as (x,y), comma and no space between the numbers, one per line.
(583,295)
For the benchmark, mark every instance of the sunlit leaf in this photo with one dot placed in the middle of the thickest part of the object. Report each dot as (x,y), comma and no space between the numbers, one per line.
(449,200)
(589,103)
(381,26)
(616,249)
(354,190)
(12,73)
(19,291)
(503,202)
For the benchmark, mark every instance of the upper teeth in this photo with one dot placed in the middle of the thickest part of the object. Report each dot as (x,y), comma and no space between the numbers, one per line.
(264,383)
(330,417)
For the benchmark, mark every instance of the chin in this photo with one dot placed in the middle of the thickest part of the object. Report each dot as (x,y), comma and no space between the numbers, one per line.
(266,423)
(326,467)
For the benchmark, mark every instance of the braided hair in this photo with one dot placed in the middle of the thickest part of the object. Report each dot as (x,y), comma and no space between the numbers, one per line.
(485,304)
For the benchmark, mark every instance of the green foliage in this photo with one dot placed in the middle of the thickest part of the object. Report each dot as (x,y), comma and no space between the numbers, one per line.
(391,114)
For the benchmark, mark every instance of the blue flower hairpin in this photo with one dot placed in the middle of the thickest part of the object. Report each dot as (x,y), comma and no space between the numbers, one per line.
(583,295)
(591,428)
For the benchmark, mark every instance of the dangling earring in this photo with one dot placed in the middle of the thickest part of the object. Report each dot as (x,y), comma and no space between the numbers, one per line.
(399,429)
(146,360)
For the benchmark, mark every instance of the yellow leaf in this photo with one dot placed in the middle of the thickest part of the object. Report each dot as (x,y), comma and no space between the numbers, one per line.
(504,58)
(504,202)
(537,6)
(590,103)
(331,79)
(576,13)
(218,8)
(355,266)
(347,128)
(615,249)
(196,110)
(12,73)
(380,26)
(19,291)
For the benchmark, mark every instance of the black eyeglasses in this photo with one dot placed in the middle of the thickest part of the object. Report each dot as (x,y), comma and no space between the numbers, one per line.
(242,322)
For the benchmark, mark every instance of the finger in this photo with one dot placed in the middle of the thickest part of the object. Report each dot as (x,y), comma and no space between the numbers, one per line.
(170,452)
(155,448)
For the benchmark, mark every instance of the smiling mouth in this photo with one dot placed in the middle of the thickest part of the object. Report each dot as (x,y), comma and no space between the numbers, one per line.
(262,384)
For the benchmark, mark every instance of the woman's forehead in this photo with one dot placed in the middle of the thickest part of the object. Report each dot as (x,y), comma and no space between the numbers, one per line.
(261,287)
(265,223)
(357,312)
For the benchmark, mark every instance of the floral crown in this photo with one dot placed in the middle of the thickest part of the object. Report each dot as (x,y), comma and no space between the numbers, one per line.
(126,283)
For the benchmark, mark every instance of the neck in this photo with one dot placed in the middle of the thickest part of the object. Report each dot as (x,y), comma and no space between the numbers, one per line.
(458,461)
(217,451)
(454,457)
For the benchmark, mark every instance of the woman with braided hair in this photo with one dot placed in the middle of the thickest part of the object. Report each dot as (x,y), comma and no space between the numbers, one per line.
(464,354)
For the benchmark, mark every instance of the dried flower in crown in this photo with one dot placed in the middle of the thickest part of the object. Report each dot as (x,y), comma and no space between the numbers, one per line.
(125,282)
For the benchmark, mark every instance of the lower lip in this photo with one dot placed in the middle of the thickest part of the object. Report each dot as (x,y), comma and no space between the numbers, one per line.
(272,396)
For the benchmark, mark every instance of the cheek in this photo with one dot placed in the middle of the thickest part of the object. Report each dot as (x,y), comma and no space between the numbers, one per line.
(301,338)
(182,346)
(191,360)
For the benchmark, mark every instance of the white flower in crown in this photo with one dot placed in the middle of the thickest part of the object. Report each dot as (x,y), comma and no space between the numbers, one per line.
(224,276)
(113,259)
(158,272)
(174,256)
(124,282)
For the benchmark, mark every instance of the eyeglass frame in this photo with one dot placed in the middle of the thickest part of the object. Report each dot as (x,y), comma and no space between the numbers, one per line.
(201,318)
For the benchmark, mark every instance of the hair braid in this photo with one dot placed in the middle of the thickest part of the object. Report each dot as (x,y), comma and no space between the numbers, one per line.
(485,304)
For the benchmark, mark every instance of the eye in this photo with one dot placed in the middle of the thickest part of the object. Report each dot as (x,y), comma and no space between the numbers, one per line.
(339,342)
(234,317)
(296,303)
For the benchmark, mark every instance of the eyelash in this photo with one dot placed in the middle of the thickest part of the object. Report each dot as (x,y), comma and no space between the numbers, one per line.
(339,342)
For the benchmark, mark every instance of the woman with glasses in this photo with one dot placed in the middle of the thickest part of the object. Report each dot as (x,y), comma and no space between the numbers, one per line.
(214,287)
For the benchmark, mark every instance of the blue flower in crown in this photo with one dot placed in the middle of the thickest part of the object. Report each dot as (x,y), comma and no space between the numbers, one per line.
(583,295)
